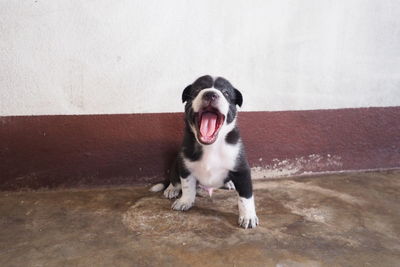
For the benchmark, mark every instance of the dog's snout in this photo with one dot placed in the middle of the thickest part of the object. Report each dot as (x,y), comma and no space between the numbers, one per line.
(210,96)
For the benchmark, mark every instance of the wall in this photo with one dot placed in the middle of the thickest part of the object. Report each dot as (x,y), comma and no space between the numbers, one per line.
(320,80)
(107,57)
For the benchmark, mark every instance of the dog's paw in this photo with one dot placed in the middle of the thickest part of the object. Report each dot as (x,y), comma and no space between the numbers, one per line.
(248,221)
(171,192)
(230,185)
(182,205)
(201,192)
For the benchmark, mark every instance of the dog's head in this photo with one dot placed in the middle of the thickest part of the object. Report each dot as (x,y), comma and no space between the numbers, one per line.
(211,107)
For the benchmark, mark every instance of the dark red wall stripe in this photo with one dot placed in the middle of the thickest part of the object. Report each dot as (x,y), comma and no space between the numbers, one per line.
(92,150)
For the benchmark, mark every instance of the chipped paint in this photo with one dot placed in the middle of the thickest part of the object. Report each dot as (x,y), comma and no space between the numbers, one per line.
(302,165)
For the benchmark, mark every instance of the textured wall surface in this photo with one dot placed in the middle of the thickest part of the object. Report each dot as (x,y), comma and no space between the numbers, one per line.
(96,57)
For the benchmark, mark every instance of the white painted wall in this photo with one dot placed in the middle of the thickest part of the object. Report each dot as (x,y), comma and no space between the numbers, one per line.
(105,56)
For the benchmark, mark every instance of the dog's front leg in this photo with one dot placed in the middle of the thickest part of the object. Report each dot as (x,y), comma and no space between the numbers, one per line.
(247,212)
(186,201)
(244,187)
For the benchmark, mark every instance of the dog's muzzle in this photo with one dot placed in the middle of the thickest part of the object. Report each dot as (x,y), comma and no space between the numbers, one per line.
(209,119)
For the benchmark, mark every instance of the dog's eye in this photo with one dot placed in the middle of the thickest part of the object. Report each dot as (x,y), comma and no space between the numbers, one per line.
(225,92)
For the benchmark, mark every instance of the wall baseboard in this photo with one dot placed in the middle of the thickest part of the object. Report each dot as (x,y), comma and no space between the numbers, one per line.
(99,150)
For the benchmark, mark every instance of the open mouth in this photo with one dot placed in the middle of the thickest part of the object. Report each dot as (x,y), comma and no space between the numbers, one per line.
(209,123)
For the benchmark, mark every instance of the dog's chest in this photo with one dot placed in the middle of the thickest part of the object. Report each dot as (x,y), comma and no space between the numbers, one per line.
(213,167)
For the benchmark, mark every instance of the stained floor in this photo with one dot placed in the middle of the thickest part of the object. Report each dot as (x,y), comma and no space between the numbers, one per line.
(331,220)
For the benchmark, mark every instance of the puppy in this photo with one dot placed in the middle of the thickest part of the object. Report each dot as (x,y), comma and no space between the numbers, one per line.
(212,153)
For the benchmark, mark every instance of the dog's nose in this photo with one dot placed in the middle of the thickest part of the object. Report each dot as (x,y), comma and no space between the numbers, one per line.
(210,96)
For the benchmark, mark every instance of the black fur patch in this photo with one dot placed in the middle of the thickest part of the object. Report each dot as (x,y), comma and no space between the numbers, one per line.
(178,170)
(241,177)
(183,172)
(203,82)
(242,181)
(231,94)
(190,147)
(231,114)
(233,136)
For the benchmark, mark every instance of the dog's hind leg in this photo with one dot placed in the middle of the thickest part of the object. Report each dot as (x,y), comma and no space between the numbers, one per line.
(174,187)
(172,191)
(229,185)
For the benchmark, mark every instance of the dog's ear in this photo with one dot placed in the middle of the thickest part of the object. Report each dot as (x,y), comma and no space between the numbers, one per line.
(238,97)
(186,93)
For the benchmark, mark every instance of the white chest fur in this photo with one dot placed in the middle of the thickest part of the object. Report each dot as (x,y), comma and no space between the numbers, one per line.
(216,161)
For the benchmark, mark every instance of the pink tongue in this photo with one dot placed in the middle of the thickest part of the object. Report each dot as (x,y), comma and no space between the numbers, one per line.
(208,124)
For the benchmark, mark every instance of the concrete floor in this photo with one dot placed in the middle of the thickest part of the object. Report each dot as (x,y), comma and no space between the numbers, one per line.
(333,220)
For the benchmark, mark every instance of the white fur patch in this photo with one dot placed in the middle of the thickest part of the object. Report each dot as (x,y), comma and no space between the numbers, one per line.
(247,212)
(217,160)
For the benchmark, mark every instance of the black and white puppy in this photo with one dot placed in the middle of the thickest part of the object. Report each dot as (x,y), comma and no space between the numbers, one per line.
(212,154)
